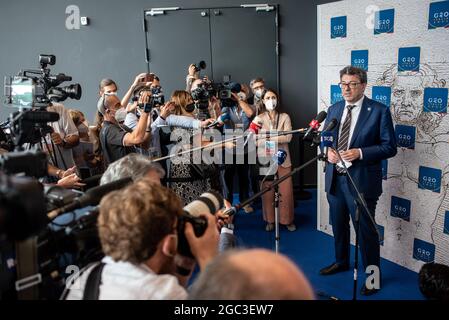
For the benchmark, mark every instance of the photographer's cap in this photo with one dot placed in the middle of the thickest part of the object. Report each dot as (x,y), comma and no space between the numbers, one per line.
(101,104)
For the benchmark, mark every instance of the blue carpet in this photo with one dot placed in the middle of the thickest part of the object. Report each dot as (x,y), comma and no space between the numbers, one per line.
(312,250)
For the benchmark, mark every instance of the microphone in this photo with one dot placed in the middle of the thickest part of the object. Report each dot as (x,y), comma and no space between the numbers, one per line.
(331,125)
(327,139)
(91,197)
(315,123)
(253,129)
(278,158)
(220,120)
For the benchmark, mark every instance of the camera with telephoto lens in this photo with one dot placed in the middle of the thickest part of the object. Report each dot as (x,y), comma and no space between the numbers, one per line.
(208,203)
(200,66)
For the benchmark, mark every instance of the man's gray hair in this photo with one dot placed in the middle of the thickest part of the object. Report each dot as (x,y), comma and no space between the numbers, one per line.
(133,165)
(253,81)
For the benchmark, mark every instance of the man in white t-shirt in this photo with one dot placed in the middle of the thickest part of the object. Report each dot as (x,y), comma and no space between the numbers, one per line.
(64,137)
(138,232)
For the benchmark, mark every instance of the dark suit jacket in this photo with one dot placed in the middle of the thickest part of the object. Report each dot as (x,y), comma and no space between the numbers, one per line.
(374,134)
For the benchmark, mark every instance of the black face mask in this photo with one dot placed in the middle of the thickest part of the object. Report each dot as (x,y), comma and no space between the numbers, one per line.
(190,107)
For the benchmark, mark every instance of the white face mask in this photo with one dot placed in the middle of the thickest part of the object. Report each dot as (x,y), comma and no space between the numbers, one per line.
(120,114)
(258,93)
(271,104)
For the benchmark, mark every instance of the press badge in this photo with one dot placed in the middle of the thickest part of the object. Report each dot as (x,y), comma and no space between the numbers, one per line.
(270,148)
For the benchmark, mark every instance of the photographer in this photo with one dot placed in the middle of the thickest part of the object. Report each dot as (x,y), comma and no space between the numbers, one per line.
(257,87)
(239,113)
(184,177)
(140,80)
(63,138)
(139,238)
(133,165)
(118,140)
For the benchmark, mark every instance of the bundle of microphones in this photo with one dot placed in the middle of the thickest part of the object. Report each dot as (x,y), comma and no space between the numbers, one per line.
(93,196)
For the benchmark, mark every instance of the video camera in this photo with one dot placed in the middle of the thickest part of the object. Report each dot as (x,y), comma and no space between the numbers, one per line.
(38,88)
(225,91)
(35,90)
(157,98)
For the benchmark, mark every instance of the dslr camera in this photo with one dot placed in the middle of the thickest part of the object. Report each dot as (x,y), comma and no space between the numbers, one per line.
(209,202)
(157,98)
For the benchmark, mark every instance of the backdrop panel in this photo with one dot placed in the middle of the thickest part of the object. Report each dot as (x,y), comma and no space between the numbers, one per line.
(403,45)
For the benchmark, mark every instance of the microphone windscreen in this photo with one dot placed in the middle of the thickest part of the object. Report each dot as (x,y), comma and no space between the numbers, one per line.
(321,116)
(331,125)
(280,156)
(254,127)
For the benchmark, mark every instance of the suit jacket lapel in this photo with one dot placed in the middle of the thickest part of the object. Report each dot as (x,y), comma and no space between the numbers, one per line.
(365,112)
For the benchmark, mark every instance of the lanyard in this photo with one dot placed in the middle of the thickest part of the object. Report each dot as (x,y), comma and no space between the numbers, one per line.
(277,122)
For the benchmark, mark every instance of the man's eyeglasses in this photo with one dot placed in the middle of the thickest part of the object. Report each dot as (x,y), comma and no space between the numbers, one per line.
(351,85)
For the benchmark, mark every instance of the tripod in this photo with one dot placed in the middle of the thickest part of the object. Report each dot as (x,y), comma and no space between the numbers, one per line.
(273,186)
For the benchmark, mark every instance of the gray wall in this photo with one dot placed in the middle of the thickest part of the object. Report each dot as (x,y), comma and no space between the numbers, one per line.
(113,46)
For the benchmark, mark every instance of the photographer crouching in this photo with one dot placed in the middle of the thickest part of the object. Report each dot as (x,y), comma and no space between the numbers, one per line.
(138,229)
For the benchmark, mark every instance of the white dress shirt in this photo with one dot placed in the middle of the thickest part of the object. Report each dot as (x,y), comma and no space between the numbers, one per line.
(126,281)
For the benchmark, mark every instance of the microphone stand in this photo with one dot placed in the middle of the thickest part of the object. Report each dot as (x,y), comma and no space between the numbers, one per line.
(359,203)
(277,237)
(272,186)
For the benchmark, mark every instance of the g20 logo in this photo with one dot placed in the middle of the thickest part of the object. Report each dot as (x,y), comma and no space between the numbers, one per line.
(435,100)
(383,23)
(359,58)
(339,28)
(430,179)
(441,15)
(400,208)
(409,59)
(381,98)
(424,251)
(406,137)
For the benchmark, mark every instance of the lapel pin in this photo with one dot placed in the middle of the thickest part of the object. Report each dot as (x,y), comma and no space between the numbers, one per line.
(369,109)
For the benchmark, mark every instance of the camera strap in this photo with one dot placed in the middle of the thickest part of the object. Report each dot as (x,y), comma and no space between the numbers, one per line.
(28,276)
(93,282)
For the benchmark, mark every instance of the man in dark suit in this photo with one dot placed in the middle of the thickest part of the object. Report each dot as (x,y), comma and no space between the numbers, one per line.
(364,136)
